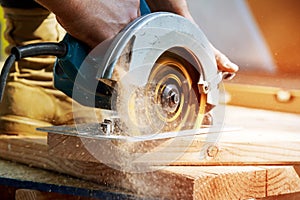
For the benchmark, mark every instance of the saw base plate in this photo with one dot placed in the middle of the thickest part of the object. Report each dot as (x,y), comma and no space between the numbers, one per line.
(94,131)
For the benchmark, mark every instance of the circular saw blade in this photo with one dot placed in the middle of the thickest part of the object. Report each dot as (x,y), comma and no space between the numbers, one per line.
(170,101)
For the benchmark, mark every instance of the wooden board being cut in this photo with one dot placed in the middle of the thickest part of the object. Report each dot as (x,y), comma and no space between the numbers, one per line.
(262,138)
(174,182)
(171,182)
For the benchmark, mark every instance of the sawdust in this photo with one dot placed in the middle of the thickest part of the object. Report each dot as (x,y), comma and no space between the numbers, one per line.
(159,183)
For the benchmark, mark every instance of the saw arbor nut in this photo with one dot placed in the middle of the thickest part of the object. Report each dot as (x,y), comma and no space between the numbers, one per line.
(170,98)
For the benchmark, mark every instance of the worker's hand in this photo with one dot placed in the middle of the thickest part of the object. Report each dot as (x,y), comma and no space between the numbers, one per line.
(224,64)
(180,7)
(93,21)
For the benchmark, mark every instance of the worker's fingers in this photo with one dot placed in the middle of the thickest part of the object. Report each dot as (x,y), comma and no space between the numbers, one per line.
(223,63)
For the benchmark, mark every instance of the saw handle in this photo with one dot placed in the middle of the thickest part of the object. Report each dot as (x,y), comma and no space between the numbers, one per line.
(66,68)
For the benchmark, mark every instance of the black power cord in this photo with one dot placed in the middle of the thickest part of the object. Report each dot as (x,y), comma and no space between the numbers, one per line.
(38,49)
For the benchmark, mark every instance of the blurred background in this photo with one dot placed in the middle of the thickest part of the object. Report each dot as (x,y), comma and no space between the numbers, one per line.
(263,38)
(259,35)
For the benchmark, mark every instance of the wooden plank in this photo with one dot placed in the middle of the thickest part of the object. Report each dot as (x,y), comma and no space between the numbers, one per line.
(232,148)
(264,139)
(222,183)
(232,183)
(182,182)
(293,196)
(281,180)
(170,182)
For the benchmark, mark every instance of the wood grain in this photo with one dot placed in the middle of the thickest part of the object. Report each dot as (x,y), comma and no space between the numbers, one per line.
(294,196)
(262,138)
(186,182)
(281,180)
(174,182)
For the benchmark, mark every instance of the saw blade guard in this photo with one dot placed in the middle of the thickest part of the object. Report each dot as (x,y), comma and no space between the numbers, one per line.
(151,36)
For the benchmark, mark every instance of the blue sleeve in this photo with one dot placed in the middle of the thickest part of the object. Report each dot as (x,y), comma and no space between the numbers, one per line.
(144,7)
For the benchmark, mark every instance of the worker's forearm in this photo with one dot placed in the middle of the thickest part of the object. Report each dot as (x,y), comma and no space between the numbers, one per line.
(93,21)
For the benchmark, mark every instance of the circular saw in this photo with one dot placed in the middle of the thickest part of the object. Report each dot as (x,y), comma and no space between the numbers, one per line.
(158,75)
(163,74)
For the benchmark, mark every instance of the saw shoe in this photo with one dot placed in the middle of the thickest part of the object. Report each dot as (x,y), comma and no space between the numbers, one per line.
(29,100)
